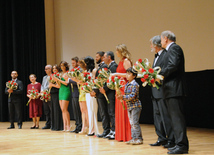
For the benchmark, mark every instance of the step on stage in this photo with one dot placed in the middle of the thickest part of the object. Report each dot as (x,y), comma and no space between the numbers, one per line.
(38,141)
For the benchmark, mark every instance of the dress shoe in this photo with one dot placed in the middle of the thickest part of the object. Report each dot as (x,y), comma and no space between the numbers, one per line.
(11,127)
(90,134)
(169,144)
(74,131)
(20,126)
(159,143)
(178,151)
(77,131)
(107,136)
(102,135)
(172,148)
(46,127)
(112,137)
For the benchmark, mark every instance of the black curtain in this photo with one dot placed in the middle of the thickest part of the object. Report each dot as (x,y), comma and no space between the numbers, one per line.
(22,45)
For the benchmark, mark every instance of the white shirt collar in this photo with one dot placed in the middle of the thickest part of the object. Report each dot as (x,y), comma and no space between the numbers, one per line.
(169,46)
(110,63)
(159,53)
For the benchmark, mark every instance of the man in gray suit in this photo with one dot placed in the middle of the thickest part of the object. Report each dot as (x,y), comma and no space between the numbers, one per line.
(161,117)
(47,105)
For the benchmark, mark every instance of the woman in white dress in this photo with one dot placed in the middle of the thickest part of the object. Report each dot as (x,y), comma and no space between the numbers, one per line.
(91,102)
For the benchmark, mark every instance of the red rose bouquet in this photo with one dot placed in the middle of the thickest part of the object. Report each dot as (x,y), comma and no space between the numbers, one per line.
(11,85)
(87,87)
(98,83)
(104,74)
(115,83)
(34,93)
(148,74)
(45,96)
(75,72)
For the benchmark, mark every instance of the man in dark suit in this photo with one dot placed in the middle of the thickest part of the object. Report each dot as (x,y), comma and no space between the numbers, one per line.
(112,66)
(174,90)
(102,103)
(75,99)
(15,101)
(162,121)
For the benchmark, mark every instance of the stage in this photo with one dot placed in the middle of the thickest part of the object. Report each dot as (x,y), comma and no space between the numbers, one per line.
(38,141)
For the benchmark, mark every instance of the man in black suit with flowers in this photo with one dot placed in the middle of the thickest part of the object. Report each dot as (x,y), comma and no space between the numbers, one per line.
(15,101)
(174,90)
(112,66)
(102,103)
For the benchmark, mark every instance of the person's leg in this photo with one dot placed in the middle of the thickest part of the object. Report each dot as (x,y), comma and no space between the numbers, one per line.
(11,108)
(47,114)
(37,122)
(34,121)
(18,108)
(176,113)
(67,114)
(63,114)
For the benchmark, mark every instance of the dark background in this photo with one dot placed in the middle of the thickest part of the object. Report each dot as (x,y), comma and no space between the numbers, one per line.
(23,48)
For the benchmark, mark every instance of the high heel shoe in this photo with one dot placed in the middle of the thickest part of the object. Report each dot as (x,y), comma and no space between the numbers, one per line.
(37,127)
(91,134)
(69,128)
(33,127)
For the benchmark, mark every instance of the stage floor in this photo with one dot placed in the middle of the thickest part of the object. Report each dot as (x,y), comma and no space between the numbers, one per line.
(38,141)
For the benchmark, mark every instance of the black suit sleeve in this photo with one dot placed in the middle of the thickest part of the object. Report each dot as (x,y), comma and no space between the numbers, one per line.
(174,59)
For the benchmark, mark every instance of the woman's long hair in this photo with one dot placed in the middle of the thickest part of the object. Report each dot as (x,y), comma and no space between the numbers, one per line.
(124,52)
(89,61)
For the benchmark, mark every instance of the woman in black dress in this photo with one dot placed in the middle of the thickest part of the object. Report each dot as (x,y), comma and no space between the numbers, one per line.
(57,122)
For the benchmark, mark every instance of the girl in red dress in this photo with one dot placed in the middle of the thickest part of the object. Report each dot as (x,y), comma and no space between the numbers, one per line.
(122,124)
(35,105)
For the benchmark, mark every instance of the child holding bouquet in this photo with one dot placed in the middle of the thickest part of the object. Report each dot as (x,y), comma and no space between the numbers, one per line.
(133,106)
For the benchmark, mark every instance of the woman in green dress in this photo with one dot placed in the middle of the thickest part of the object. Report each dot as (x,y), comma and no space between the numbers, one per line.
(64,94)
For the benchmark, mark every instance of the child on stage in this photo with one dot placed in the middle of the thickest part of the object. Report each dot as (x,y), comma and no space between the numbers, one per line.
(133,106)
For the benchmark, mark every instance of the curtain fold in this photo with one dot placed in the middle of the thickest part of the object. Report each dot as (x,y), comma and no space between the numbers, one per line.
(22,45)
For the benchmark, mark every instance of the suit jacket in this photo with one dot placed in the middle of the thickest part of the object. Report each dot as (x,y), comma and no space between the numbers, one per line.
(111,93)
(98,94)
(45,83)
(75,92)
(173,72)
(158,93)
(16,96)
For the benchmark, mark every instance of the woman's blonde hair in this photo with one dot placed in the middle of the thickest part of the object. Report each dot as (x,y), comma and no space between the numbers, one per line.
(82,62)
(123,51)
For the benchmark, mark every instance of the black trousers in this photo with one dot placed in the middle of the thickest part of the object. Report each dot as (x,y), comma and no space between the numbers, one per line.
(111,111)
(103,109)
(162,121)
(77,112)
(47,111)
(15,107)
(176,113)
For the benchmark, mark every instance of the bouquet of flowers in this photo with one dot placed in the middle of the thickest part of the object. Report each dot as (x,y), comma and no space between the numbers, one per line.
(148,74)
(45,95)
(57,75)
(75,72)
(104,74)
(51,80)
(34,93)
(87,87)
(85,77)
(11,85)
(115,83)
(98,83)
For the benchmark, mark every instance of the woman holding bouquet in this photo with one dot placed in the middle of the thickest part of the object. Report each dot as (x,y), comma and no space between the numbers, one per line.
(35,105)
(56,119)
(64,94)
(122,124)
(91,102)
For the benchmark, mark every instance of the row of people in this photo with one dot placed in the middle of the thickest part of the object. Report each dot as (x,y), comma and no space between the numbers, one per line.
(167,101)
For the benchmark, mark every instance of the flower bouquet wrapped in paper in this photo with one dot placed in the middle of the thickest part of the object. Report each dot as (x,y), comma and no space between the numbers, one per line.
(51,80)
(11,85)
(148,74)
(87,87)
(45,95)
(75,73)
(115,83)
(34,93)
(98,83)
(104,74)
